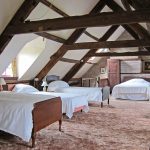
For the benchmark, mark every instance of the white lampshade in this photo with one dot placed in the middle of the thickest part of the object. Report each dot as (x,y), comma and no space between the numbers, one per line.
(44,83)
(2,81)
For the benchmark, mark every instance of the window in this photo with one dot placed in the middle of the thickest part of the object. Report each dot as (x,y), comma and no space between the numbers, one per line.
(11,70)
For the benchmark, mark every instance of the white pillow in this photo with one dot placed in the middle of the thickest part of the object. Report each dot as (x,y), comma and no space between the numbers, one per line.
(24,88)
(57,84)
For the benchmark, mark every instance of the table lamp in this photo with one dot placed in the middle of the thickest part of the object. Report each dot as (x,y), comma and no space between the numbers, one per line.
(44,84)
(2,82)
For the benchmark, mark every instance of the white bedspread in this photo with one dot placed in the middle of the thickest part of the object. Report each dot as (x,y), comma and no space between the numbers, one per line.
(139,87)
(93,93)
(70,101)
(16,113)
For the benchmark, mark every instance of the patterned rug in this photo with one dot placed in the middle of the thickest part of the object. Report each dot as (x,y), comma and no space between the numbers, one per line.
(123,125)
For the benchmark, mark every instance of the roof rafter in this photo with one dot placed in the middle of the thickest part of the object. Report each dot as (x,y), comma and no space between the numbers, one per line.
(61,51)
(60,12)
(85,58)
(51,37)
(141,31)
(22,13)
(103,19)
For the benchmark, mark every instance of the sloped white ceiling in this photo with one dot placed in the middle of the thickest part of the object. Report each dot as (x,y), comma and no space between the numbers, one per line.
(50,48)
(13,48)
(7,10)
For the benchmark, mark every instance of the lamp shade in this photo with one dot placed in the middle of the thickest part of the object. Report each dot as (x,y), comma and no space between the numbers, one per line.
(2,81)
(44,83)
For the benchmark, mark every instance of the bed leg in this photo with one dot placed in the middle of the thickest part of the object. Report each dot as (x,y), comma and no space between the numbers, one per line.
(33,140)
(101,104)
(108,101)
(60,123)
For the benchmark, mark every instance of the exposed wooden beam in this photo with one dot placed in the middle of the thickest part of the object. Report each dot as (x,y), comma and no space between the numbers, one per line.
(131,32)
(53,7)
(91,36)
(85,58)
(73,61)
(22,13)
(138,4)
(51,37)
(141,31)
(126,5)
(103,19)
(138,53)
(60,12)
(108,44)
(61,51)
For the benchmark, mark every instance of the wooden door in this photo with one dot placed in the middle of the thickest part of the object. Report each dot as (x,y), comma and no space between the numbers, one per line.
(113,72)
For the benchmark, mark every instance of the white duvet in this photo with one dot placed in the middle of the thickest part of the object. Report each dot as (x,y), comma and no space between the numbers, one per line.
(16,113)
(93,93)
(70,101)
(134,89)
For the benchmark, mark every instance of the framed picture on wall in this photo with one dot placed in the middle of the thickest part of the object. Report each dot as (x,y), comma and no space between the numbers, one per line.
(103,70)
(146,66)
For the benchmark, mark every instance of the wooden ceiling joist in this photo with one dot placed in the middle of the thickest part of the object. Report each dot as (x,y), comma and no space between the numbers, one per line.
(22,13)
(51,37)
(111,54)
(61,51)
(85,58)
(108,44)
(103,19)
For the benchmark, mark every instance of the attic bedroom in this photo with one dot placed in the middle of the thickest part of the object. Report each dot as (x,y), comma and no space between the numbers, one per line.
(75,74)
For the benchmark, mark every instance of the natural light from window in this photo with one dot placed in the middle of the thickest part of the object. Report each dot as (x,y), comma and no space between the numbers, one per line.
(99,51)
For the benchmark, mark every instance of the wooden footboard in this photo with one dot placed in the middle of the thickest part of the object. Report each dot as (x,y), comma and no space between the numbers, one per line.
(45,113)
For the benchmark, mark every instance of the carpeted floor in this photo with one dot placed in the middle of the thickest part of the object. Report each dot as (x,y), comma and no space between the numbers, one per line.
(124,125)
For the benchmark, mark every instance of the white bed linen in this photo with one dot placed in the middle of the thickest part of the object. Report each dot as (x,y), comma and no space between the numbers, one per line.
(134,89)
(69,101)
(93,93)
(16,113)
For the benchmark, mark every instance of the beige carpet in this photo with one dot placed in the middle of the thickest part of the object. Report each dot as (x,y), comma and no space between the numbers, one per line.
(124,125)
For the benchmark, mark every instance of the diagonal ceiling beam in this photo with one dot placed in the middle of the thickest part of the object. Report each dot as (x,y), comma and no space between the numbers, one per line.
(84,59)
(51,37)
(131,32)
(61,51)
(22,13)
(126,5)
(139,4)
(103,19)
(141,31)
(60,12)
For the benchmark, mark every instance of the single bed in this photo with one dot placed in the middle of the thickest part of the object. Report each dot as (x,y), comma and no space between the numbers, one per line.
(94,94)
(70,102)
(133,89)
(25,114)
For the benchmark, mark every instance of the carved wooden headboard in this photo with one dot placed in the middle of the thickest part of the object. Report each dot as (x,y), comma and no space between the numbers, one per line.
(50,78)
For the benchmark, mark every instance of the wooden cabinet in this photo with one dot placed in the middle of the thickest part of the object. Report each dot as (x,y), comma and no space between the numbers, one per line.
(113,72)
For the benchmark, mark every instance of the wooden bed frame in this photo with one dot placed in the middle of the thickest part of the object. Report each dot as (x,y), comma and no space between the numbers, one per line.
(45,113)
